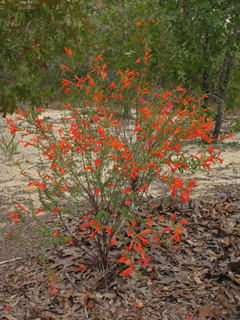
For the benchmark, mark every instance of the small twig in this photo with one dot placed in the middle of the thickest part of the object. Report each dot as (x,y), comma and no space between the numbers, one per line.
(102,307)
(7,261)
(73,284)
(181,209)
(158,198)
(49,310)
(21,36)
(87,252)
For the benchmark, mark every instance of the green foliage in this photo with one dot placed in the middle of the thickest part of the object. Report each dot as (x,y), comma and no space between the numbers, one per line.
(31,34)
(9,147)
(235,126)
(204,46)
(101,215)
(203,50)
(115,31)
(193,44)
(233,144)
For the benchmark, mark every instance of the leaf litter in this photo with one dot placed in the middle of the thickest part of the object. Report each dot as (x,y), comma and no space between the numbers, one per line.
(201,280)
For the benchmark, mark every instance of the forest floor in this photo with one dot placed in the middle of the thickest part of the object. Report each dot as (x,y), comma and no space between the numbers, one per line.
(201,280)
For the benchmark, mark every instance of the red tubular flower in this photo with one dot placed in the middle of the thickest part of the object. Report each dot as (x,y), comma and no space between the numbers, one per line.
(167,94)
(184,165)
(123,258)
(99,57)
(104,74)
(210,159)
(19,118)
(69,51)
(112,86)
(157,239)
(206,165)
(182,222)
(86,218)
(21,207)
(97,191)
(176,235)
(84,226)
(143,187)
(13,130)
(127,271)
(127,190)
(56,209)
(144,241)
(129,247)
(39,210)
(92,235)
(145,231)
(185,197)
(111,185)
(181,89)
(139,247)
(174,216)
(220,160)
(152,164)
(97,162)
(113,241)
(37,183)
(88,168)
(146,261)
(13,214)
(38,110)
(91,83)
(65,83)
(178,183)
(64,67)
(109,230)
(53,288)
(166,229)
(130,233)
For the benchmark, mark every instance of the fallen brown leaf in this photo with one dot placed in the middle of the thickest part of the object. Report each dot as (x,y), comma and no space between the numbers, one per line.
(205,311)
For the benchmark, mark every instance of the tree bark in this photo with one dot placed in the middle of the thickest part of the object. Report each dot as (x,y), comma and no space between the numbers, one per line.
(220,94)
(205,75)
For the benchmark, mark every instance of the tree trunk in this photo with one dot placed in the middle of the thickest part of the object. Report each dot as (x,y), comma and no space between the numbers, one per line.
(220,94)
(218,122)
(205,74)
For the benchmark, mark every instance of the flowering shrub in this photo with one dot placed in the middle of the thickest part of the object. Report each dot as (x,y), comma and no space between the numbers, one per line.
(108,152)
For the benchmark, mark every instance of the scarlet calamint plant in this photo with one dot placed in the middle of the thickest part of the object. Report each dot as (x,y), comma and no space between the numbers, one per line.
(108,156)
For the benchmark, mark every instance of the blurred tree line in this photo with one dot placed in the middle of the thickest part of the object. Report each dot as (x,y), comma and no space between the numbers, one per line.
(194,44)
